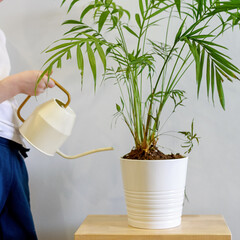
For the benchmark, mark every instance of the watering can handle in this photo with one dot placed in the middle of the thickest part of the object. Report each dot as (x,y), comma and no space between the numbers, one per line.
(27,98)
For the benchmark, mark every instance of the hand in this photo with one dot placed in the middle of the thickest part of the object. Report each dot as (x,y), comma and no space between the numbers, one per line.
(26,82)
(23,82)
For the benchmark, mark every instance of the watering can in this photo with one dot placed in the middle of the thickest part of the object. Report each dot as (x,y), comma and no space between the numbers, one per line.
(50,125)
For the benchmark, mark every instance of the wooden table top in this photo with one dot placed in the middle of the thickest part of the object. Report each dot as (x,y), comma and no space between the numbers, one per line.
(115,227)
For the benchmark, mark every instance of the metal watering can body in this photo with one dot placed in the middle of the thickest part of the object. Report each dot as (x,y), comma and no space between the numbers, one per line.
(50,125)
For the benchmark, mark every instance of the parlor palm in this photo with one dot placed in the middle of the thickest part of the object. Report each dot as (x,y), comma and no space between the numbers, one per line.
(136,70)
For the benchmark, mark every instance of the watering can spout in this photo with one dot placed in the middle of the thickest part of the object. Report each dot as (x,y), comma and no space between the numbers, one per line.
(49,126)
(83,154)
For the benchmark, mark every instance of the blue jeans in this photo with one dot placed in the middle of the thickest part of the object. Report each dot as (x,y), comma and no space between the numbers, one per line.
(16,222)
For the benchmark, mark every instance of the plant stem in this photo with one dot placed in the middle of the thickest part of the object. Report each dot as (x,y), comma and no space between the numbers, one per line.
(153,92)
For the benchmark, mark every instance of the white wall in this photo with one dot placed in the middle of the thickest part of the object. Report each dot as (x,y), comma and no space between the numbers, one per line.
(64,192)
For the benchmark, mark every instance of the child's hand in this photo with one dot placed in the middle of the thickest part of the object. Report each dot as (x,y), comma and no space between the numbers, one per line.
(23,82)
(26,82)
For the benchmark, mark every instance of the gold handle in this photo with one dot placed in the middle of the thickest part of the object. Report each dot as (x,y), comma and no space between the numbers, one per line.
(27,98)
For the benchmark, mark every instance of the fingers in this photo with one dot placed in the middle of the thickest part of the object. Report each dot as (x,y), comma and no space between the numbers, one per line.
(38,92)
(51,83)
(49,74)
(43,84)
(46,83)
(27,82)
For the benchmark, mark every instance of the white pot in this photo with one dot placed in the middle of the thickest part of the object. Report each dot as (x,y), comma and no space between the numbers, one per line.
(154,191)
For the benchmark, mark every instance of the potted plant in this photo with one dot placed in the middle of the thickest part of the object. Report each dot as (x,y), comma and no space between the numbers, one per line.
(147,75)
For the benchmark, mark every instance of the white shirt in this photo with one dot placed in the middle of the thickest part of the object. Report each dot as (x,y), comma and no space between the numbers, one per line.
(8,118)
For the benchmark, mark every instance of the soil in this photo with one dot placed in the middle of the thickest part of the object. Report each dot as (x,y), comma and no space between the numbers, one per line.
(152,154)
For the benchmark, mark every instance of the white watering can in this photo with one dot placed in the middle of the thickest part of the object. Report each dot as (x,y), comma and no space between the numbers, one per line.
(49,126)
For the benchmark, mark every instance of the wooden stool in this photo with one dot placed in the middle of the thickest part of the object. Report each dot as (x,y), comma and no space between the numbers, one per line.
(115,227)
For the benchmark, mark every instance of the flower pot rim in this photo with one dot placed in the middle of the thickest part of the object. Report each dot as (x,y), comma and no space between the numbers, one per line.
(157,160)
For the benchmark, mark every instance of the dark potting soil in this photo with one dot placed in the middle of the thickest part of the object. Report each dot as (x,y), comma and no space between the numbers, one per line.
(152,154)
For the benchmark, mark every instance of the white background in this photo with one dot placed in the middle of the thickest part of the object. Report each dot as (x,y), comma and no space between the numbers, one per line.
(64,192)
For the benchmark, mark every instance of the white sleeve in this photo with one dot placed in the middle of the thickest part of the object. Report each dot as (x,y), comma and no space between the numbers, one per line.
(4,58)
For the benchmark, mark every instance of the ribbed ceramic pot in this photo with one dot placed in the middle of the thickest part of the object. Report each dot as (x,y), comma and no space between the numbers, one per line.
(154,192)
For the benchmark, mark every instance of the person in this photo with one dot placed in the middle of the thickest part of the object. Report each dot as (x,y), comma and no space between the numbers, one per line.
(16,222)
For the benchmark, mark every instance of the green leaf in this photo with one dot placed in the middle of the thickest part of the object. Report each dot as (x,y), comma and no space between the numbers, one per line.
(224,7)
(138,20)
(122,102)
(72,4)
(59,54)
(178,5)
(193,49)
(224,61)
(80,60)
(118,108)
(179,31)
(41,76)
(200,8)
(208,76)
(212,50)
(119,11)
(74,40)
(101,54)
(159,11)
(190,29)
(227,71)
(92,62)
(59,63)
(64,45)
(197,31)
(128,13)
(85,11)
(115,21)
(71,21)
(204,43)
(196,56)
(223,74)
(201,36)
(200,70)
(212,80)
(221,58)
(63,2)
(102,20)
(146,3)
(76,29)
(130,30)
(69,55)
(141,7)
(192,127)
(220,89)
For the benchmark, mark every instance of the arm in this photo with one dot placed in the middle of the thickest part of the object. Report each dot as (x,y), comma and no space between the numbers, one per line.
(23,82)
